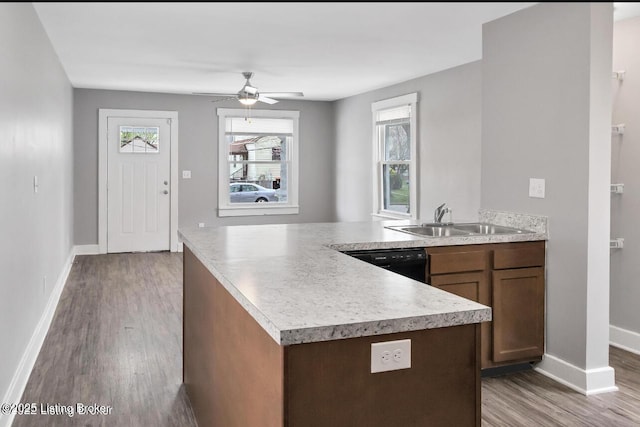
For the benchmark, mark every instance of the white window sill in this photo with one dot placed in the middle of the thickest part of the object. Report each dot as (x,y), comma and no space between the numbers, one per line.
(385,215)
(255,211)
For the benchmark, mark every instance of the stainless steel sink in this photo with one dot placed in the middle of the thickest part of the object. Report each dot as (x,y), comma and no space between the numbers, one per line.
(431,230)
(447,230)
(482,228)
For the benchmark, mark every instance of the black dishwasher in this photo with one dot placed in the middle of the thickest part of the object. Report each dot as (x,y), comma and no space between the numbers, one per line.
(407,262)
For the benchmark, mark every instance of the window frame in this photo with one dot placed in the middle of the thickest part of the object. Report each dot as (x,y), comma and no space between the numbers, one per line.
(227,209)
(379,161)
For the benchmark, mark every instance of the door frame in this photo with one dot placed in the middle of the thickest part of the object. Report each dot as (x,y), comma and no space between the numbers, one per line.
(103,116)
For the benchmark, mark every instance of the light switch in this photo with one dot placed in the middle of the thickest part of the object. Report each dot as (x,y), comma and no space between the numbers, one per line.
(536,188)
(186,174)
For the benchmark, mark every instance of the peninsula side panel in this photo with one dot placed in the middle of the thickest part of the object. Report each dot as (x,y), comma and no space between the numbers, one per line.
(233,370)
(330,383)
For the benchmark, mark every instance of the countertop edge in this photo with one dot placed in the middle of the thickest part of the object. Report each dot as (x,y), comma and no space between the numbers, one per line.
(383,327)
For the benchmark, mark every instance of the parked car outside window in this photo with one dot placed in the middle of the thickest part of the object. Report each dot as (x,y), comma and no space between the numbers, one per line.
(245,192)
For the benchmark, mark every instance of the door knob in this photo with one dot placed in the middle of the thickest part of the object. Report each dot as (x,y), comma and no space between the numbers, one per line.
(166,183)
(165,192)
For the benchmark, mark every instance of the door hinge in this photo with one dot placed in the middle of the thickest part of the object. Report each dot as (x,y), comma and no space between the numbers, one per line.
(169,122)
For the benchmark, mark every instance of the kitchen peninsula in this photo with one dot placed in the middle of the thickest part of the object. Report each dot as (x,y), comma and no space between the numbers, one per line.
(278,327)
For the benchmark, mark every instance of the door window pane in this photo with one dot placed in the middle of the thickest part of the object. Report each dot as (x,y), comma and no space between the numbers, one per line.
(139,139)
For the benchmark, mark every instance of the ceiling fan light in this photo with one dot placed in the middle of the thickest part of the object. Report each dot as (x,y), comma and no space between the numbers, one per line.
(247,101)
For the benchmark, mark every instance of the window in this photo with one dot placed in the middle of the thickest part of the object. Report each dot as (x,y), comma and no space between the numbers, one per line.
(394,142)
(258,162)
(139,139)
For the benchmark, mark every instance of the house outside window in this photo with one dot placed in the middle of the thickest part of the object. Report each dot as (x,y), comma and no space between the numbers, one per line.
(257,162)
(395,157)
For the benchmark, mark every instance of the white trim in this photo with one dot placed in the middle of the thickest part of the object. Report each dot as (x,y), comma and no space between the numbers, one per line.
(291,207)
(624,339)
(86,249)
(587,382)
(103,115)
(376,155)
(251,210)
(393,215)
(30,355)
(385,215)
(408,99)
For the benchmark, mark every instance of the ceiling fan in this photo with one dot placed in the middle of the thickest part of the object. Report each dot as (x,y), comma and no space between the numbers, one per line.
(249,94)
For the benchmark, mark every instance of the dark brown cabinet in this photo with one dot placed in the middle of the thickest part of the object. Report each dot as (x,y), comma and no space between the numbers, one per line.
(508,277)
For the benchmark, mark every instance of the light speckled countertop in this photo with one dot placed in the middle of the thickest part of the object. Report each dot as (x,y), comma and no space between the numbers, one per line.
(299,288)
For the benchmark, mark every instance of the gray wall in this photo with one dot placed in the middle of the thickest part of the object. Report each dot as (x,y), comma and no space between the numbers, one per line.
(625,208)
(198,139)
(546,114)
(449,145)
(35,139)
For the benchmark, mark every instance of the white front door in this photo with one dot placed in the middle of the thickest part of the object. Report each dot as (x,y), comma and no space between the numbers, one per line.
(138,184)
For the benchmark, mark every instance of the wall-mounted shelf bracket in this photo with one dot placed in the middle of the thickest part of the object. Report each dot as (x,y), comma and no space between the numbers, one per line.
(618,129)
(616,243)
(618,75)
(617,188)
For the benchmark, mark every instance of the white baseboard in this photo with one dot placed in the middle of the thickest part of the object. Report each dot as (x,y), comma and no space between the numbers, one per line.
(22,373)
(86,249)
(95,249)
(624,339)
(587,382)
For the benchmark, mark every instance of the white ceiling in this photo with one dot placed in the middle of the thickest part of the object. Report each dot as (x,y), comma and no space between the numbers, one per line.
(327,50)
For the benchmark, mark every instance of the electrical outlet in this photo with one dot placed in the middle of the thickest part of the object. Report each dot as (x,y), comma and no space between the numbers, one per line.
(390,355)
(201,224)
(536,188)
(186,174)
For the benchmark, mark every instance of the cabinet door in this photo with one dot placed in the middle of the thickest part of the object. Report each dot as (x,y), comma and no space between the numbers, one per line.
(473,286)
(518,314)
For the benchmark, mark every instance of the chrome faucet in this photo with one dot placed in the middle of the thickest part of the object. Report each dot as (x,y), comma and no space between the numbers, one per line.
(439,213)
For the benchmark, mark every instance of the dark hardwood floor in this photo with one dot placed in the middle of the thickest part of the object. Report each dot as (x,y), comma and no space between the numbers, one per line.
(116,340)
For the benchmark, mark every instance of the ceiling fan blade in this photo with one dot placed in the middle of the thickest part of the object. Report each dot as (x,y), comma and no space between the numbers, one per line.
(283,94)
(213,94)
(225,99)
(267,100)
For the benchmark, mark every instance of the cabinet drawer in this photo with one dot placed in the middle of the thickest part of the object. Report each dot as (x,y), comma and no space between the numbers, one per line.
(456,262)
(520,257)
